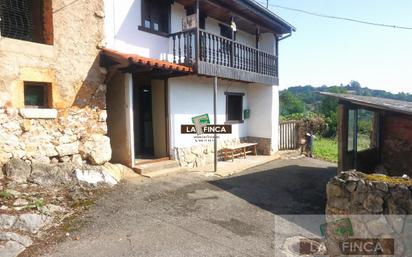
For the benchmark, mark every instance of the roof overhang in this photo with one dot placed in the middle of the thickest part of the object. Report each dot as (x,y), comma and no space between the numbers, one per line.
(374,102)
(248,13)
(112,59)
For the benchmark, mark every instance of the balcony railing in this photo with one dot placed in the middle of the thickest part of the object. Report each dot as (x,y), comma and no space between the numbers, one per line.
(221,51)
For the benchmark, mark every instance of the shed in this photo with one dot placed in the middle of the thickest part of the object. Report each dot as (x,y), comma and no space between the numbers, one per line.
(387,147)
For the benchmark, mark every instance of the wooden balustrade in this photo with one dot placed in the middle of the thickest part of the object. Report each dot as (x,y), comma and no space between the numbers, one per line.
(215,49)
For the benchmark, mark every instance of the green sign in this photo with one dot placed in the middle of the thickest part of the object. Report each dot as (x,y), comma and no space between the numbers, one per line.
(201,119)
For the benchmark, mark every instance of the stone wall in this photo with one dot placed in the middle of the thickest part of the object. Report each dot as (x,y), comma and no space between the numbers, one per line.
(201,155)
(357,193)
(76,134)
(377,207)
(396,145)
(264,144)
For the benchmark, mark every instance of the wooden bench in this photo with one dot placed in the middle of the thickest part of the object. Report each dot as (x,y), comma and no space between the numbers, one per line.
(243,149)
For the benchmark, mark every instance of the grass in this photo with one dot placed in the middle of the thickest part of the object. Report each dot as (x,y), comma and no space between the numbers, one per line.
(326,149)
(5,195)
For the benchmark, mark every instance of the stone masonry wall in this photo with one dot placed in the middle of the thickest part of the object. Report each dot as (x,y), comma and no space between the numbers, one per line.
(70,137)
(354,193)
(200,155)
(377,207)
(397,145)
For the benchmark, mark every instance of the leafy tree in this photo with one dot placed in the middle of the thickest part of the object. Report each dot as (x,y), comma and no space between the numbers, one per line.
(328,107)
(290,104)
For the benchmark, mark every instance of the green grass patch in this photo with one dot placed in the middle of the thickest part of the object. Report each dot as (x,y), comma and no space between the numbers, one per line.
(5,195)
(326,149)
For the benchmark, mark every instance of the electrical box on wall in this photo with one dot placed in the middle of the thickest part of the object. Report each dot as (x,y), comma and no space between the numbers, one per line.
(246,114)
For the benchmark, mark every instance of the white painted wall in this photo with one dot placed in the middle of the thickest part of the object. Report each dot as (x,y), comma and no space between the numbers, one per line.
(267,43)
(122,19)
(264,112)
(192,96)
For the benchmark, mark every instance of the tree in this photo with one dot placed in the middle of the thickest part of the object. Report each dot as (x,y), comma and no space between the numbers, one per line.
(290,104)
(328,107)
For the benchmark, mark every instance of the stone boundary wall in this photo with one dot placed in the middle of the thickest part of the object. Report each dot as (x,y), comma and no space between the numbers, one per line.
(75,135)
(351,193)
(202,155)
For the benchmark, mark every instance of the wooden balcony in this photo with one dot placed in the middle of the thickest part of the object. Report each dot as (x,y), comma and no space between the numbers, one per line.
(213,55)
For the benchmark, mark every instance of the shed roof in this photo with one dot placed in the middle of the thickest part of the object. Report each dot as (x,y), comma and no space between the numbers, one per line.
(375,102)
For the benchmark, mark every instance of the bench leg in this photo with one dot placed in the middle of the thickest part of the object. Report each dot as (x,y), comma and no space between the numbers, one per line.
(233,156)
(255,150)
(244,152)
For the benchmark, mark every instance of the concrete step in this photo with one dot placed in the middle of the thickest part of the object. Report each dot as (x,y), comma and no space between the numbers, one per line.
(149,168)
(165,172)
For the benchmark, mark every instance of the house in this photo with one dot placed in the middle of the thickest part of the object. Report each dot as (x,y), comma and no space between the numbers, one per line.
(52,91)
(169,61)
(389,142)
(102,80)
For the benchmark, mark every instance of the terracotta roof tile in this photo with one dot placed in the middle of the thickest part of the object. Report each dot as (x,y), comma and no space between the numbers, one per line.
(137,59)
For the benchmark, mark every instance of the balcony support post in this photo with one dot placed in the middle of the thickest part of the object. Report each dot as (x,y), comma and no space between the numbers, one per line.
(232,44)
(257,47)
(197,39)
(215,122)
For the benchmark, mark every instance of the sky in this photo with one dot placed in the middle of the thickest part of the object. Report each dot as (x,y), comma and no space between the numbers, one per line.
(333,52)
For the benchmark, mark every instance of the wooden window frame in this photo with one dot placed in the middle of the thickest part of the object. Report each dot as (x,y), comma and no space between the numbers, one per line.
(39,14)
(222,27)
(144,17)
(47,94)
(228,94)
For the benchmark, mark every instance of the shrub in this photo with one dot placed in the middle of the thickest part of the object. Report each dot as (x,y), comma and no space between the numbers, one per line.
(312,122)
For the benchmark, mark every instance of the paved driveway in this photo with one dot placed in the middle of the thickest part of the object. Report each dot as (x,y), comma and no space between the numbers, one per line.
(192,215)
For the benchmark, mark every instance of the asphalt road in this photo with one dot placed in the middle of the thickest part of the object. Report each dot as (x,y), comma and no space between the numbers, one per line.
(192,215)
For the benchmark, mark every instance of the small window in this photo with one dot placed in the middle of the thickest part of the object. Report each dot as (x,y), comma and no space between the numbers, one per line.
(37,95)
(156,15)
(27,20)
(234,107)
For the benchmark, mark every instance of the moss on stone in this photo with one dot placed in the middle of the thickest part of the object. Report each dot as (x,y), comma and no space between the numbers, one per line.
(386,179)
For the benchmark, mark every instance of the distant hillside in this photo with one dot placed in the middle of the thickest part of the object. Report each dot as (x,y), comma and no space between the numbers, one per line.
(293,97)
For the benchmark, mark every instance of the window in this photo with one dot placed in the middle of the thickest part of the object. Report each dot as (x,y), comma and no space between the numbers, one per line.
(156,16)
(27,20)
(202,16)
(361,124)
(226,31)
(234,107)
(37,95)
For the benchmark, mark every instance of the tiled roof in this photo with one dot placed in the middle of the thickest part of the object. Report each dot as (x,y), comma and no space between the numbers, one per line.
(137,59)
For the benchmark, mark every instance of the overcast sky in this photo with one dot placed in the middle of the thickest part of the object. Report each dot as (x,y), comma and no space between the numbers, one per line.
(334,52)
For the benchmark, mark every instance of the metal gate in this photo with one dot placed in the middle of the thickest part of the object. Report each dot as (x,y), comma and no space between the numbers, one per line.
(289,135)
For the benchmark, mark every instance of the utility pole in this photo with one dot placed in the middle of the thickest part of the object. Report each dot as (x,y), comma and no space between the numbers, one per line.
(267,4)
